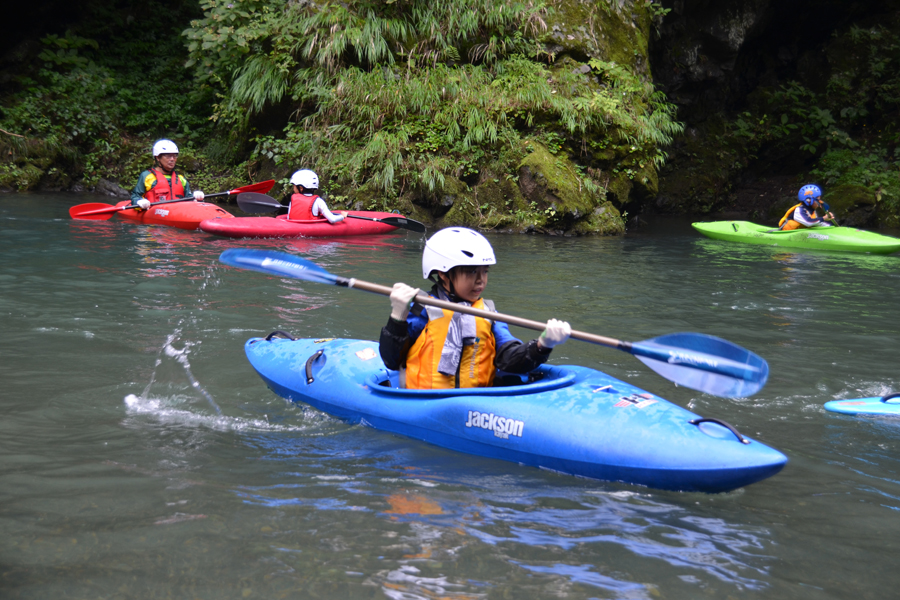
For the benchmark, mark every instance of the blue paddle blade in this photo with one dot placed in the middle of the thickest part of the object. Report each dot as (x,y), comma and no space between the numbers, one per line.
(704,363)
(278,263)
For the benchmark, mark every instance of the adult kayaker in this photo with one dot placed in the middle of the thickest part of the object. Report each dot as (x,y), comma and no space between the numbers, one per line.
(804,215)
(306,204)
(438,349)
(162,182)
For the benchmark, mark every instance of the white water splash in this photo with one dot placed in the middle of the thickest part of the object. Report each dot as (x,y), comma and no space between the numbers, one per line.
(164,412)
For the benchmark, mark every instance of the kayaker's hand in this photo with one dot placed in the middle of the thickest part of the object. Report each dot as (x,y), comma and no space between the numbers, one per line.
(199,196)
(143,203)
(400,299)
(555,334)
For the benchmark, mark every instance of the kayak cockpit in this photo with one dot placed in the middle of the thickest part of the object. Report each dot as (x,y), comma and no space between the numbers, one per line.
(544,378)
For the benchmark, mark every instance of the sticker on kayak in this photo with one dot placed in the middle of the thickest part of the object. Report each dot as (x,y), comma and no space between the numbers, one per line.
(162,212)
(323,340)
(638,400)
(854,403)
(367,354)
(501,426)
(817,236)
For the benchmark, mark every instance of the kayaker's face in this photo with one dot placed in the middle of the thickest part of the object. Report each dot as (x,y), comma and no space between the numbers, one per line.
(167,162)
(468,282)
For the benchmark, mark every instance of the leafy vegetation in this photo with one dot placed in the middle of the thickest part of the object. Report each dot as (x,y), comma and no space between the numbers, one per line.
(402,95)
(84,98)
(399,98)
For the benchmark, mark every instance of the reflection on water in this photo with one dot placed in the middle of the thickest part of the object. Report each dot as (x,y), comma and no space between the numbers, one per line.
(141,456)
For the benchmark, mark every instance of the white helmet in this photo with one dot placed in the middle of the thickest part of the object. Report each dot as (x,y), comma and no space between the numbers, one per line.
(306,178)
(164,147)
(454,247)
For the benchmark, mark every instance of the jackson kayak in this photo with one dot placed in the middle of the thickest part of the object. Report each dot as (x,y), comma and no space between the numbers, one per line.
(838,239)
(885,405)
(183,215)
(567,419)
(281,227)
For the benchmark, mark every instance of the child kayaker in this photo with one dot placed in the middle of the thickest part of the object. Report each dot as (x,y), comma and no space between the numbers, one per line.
(156,184)
(804,214)
(306,204)
(438,349)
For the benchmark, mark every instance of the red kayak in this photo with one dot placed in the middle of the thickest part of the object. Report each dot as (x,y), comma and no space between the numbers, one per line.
(183,215)
(281,227)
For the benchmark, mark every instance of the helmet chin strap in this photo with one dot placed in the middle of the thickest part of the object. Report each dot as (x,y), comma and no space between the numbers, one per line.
(448,285)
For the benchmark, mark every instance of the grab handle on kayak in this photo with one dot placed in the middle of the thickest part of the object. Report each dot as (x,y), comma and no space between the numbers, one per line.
(281,334)
(309,364)
(890,397)
(727,426)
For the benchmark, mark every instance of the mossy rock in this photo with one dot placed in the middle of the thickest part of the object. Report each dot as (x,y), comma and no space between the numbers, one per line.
(619,188)
(436,202)
(552,184)
(617,32)
(500,204)
(603,220)
(646,183)
(20,177)
(853,205)
(844,198)
(464,213)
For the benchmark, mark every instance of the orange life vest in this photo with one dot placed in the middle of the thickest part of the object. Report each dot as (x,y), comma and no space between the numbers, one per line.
(787,223)
(161,189)
(301,208)
(476,365)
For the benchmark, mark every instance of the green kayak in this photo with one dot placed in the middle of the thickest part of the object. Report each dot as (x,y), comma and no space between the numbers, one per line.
(836,239)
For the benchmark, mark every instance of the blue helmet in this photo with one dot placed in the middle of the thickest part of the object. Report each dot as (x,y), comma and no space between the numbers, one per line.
(809,194)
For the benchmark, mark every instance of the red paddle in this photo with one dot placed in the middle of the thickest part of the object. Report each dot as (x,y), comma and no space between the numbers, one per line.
(99,211)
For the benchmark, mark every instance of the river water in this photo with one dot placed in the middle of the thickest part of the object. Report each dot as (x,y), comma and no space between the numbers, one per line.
(142,457)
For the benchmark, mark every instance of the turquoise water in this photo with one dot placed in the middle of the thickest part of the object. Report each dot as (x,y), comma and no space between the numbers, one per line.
(141,456)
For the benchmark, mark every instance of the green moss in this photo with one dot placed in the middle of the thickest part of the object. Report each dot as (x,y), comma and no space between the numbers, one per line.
(21,178)
(844,198)
(552,183)
(600,29)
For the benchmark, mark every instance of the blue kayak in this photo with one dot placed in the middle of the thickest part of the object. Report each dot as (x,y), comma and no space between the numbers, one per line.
(888,405)
(567,419)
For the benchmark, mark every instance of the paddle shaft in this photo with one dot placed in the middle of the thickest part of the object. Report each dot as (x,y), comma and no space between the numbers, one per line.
(115,209)
(261,187)
(732,370)
(484,314)
(708,363)
(401,222)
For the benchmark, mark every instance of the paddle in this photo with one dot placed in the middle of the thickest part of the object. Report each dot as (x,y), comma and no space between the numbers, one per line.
(697,361)
(261,187)
(260,204)
(100,211)
(828,210)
